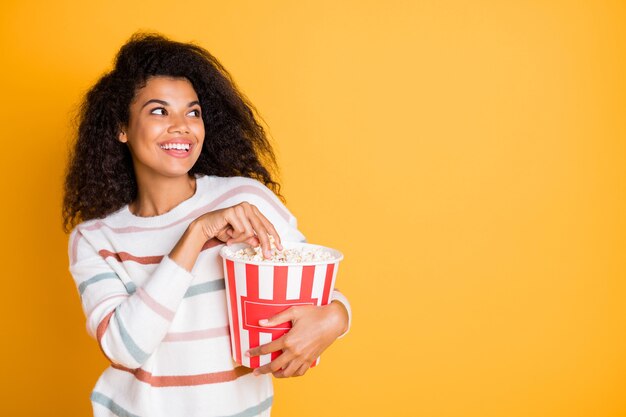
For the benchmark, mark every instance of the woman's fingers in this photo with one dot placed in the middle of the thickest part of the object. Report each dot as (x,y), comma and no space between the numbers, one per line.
(253,241)
(284,316)
(262,235)
(242,223)
(293,368)
(273,346)
(225,234)
(269,227)
(275,365)
(302,370)
(254,225)
(286,373)
(238,218)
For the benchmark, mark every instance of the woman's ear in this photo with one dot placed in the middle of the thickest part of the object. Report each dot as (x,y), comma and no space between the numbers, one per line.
(122,136)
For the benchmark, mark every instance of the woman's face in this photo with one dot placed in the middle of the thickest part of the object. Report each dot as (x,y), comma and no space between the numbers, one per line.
(165,129)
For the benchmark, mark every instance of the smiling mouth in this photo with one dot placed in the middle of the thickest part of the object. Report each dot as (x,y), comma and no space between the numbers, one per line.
(176,146)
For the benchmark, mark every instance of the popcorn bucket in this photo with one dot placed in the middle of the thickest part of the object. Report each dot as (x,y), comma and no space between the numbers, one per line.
(260,290)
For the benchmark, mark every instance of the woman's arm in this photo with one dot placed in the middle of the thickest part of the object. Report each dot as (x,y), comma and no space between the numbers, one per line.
(130,323)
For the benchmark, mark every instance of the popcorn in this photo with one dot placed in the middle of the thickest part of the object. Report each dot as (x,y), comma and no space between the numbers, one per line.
(295,255)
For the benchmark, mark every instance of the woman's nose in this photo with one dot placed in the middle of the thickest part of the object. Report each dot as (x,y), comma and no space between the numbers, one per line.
(179,124)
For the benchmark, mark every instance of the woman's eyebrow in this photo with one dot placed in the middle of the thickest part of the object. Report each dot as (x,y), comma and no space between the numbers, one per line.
(165,103)
(154,100)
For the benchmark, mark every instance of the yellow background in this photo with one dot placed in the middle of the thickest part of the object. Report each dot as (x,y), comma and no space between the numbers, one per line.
(468,157)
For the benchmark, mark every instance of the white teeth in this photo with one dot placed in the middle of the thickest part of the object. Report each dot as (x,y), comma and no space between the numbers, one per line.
(177,146)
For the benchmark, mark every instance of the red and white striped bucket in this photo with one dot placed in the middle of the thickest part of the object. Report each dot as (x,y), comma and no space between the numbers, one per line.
(260,290)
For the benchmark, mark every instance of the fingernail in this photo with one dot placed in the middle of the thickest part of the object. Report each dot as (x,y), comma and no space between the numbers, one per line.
(247,353)
(263,321)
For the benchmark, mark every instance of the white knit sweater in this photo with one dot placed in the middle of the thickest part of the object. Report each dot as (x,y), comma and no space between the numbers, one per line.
(165,330)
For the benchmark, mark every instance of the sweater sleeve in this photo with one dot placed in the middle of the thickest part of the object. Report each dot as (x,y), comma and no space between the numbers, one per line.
(128,323)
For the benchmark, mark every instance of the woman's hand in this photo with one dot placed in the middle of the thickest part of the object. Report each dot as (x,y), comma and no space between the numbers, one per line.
(240,223)
(313,330)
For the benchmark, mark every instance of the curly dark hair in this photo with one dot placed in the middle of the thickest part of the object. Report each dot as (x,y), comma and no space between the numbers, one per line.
(100,178)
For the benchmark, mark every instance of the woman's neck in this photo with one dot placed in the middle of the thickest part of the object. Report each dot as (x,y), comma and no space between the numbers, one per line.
(158,196)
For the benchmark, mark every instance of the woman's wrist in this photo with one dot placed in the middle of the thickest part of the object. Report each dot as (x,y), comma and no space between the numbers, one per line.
(188,247)
(340,317)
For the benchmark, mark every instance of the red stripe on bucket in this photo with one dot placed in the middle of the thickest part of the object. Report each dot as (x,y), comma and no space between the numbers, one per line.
(306,287)
(252,291)
(327,282)
(280,294)
(230,272)
(280,283)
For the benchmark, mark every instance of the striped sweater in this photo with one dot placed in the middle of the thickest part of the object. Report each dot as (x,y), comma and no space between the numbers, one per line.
(165,330)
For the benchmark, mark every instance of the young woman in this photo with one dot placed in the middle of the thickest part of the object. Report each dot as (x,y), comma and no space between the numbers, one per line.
(169,164)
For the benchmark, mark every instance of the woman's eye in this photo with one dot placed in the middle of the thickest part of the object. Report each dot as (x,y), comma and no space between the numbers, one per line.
(195,112)
(159,110)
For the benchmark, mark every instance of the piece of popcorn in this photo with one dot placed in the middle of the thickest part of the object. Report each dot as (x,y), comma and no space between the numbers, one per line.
(295,255)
